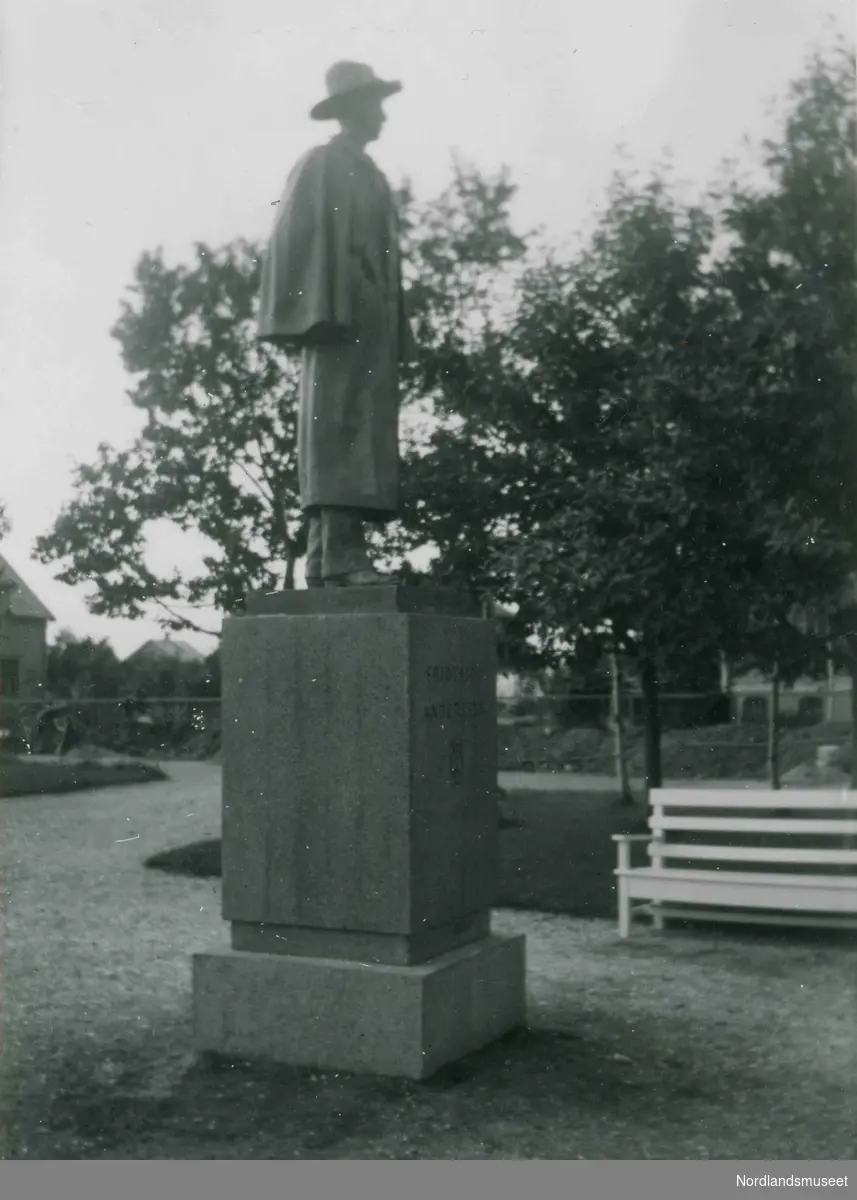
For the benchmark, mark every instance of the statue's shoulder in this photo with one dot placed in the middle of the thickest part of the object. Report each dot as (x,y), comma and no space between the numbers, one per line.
(331,158)
(316,169)
(310,160)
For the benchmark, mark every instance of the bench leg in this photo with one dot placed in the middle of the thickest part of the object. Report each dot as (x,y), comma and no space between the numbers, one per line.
(624,908)
(657,918)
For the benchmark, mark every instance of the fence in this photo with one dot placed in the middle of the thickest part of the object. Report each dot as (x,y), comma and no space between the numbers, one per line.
(700,738)
(169,727)
(577,710)
(561,732)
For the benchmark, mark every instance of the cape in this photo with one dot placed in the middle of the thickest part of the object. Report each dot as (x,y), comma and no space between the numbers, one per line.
(307,289)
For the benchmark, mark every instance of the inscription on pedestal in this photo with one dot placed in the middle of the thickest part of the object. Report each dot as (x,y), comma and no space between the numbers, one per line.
(449,710)
(452,674)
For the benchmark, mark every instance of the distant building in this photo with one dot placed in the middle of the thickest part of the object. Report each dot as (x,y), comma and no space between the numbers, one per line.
(158,652)
(23,637)
(160,667)
(809,700)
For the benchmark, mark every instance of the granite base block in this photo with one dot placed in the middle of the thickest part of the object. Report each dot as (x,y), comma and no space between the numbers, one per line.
(366,1018)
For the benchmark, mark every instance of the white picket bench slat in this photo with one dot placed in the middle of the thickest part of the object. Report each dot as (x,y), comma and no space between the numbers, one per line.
(753,825)
(718,892)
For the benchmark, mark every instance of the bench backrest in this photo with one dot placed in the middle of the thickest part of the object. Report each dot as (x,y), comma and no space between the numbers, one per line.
(754,826)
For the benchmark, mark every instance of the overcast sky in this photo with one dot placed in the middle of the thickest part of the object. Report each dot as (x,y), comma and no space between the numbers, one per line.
(161,122)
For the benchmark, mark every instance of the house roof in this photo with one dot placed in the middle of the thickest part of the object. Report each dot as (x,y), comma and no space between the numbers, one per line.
(165,650)
(20,601)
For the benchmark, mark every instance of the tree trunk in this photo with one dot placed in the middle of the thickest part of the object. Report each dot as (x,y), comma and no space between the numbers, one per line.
(831,683)
(774,730)
(733,713)
(617,724)
(852,673)
(652,724)
(725,674)
(289,582)
(850,840)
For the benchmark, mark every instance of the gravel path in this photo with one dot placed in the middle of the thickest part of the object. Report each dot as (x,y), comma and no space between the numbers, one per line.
(679,1045)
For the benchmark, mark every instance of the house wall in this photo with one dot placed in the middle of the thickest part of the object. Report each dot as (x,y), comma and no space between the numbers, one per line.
(512,685)
(25,639)
(835,706)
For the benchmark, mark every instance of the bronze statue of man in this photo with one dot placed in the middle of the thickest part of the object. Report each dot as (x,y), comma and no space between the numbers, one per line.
(332,287)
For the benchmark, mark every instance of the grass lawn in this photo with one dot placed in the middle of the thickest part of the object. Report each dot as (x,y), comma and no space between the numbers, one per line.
(685,1045)
(47,774)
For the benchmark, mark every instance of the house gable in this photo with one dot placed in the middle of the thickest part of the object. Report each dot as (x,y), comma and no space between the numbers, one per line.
(20,601)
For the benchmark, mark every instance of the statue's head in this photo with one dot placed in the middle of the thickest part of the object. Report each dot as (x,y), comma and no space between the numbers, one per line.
(355,98)
(363,116)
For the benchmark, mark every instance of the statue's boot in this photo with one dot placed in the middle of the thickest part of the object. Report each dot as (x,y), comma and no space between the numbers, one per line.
(345,561)
(314,553)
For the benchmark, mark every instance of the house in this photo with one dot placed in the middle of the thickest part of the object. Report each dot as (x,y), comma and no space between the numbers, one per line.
(166,651)
(160,666)
(23,637)
(808,700)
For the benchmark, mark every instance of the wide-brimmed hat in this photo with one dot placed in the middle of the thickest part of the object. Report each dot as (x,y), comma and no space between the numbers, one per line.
(343,80)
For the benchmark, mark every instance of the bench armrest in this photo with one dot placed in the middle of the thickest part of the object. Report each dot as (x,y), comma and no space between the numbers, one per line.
(623,846)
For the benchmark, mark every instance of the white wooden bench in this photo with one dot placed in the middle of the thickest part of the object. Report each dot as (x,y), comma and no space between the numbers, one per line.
(716,891)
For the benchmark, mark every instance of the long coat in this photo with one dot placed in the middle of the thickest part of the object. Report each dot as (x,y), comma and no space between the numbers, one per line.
(332,287)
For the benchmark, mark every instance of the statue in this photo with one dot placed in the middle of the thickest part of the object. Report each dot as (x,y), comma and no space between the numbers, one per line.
(332,288)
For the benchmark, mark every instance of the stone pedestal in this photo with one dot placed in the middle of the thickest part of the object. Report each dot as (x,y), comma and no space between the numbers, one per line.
(359,836)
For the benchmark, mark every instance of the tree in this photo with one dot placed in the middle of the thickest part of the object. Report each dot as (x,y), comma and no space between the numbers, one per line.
(82,667)
(217,454)
(617,545)
(463,258)
(617,726)
(672,495)
(790,272)
(4,521)
(148,675)
(571,477)
(837,627)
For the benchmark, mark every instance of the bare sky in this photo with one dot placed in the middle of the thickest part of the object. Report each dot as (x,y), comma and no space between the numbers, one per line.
(162,122)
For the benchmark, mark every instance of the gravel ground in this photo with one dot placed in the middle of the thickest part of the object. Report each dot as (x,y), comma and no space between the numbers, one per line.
(721,1045)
